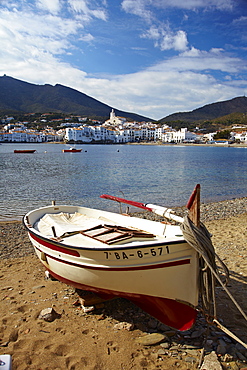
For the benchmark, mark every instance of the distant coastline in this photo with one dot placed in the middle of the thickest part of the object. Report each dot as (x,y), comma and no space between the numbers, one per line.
(233,145)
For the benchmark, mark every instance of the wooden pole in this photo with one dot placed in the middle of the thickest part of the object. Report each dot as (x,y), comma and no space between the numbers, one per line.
(193,206)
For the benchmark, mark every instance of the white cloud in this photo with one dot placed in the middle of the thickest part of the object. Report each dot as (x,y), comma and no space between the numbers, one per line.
(48,34)
(154,93)
(138,6)
(181,83)
(180,41)
(87,38)
(32,24)
(53,6)
(82,7)
(30,52)
(153,33)
(200,60)
(240,20)
(177,41)
(165,39)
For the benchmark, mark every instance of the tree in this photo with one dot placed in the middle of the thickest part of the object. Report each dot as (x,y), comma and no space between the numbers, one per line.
(225,134)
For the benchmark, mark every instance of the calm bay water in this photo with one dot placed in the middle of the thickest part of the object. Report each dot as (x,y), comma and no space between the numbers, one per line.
(159,174)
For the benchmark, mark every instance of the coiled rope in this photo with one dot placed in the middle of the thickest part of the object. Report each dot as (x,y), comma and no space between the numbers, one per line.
(199,238)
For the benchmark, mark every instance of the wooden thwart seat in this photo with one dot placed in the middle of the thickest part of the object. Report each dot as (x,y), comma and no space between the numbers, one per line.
(110,234)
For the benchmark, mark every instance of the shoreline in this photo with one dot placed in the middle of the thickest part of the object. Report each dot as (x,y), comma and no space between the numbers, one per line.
(233,145)
(239,204)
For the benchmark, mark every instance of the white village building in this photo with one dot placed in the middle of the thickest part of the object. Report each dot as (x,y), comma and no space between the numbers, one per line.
(181,136)
(115,120)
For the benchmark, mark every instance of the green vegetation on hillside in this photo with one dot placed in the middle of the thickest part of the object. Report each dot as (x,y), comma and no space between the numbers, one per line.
(224,122)
(211,117)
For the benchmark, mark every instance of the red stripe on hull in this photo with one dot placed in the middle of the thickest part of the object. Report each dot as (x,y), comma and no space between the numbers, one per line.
(55,247)
(172,313)
(72,252)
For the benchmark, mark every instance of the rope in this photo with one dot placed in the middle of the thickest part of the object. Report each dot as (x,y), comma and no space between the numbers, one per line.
(200,239)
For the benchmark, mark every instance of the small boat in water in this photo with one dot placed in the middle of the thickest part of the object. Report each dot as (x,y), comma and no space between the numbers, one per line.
(24,150)
(72,150)
(116,255)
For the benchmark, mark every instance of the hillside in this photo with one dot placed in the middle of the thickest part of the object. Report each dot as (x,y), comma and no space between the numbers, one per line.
(17,96)
(210,111)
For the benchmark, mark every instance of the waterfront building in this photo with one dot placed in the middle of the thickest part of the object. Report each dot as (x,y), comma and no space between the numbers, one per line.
(6,137)
(240,136)
(180,136)
(80,134)
(209,137)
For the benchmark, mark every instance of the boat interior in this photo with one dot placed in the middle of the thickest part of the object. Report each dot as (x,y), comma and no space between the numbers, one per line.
(103,228)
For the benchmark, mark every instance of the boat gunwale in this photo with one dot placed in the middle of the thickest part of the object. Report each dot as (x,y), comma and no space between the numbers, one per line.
(102,246)
(52,240)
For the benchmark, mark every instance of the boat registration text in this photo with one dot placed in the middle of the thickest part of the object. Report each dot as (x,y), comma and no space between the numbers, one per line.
(153,252)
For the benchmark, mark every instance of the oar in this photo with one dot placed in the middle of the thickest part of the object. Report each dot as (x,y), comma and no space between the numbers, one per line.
(161,211)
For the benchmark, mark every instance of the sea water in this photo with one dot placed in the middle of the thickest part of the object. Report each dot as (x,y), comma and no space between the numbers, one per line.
(159,174)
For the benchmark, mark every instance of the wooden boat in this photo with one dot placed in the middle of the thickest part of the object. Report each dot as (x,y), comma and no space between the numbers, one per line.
(115,255)
(24,150)
(72,150)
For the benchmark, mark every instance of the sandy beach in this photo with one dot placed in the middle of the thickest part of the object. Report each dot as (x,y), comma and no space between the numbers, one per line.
(109,336)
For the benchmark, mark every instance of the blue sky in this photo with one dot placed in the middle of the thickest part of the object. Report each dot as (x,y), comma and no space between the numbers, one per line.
(151,57)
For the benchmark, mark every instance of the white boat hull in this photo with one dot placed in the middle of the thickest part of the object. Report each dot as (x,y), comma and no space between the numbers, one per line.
(160,274)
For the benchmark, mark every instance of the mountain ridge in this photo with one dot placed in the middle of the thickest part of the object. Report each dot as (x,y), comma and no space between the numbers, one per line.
(210,111)
(17,96)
